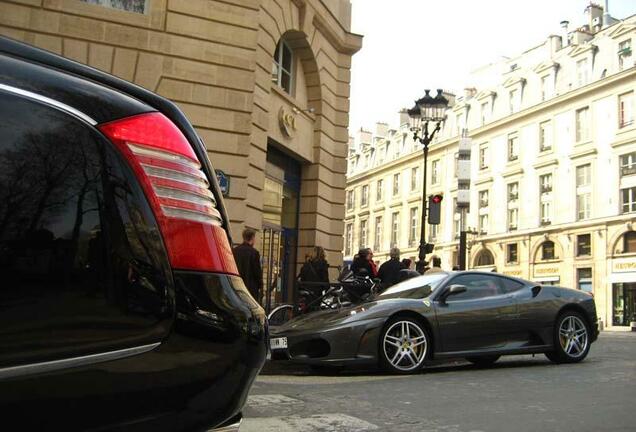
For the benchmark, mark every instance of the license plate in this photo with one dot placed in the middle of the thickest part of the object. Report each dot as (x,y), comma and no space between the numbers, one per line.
(278,343)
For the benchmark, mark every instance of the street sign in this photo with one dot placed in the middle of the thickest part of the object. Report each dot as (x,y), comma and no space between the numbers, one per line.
(224,182)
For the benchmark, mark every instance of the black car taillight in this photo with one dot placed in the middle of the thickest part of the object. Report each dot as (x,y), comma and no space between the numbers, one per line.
(177,189)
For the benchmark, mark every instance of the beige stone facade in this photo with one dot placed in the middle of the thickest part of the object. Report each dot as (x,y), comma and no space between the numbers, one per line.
(553,172)
(215,60)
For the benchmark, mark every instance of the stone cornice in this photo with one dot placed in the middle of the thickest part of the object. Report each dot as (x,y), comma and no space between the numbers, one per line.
(542,67)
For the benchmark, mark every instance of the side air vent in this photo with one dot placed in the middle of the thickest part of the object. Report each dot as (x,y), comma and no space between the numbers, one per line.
(536,290)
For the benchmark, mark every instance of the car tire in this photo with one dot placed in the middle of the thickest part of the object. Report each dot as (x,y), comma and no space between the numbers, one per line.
(483,361)
(404,345)
(571,338)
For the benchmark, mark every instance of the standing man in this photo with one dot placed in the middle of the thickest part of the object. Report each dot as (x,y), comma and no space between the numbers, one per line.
(389,272)
(248,261)
(437,265)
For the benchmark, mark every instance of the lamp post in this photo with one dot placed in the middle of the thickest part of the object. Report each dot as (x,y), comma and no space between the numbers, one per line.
(433,110)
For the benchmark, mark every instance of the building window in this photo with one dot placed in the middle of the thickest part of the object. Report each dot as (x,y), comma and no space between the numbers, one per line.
(432,233)
(484,258)
(583,245)
(396,184)
(583,192)
(545,136)
(513,206)
(485,113)
(584,278)
(456,163)
(626,109)
(377,240)
(547,250)
(415,178)
(513,147)
(282,67)
(435,172)
(138,6)
(545,187)
(512,100)
(484,156)
(363,233)
(544,87)
(395,229)
(348,239)
(545,183)
(413,226)
(379,190)
(512,256)
(625,54)
(629,242)
(351,198)
(582,124)
(628,200)
(483,212)
(546,213)
(582,72)
(364,198)
(628,164)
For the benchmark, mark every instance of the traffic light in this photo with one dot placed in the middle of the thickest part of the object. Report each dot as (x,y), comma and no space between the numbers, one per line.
(428,248)
(434,209)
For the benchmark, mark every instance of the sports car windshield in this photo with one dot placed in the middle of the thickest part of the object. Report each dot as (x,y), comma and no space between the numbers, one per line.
(415,288)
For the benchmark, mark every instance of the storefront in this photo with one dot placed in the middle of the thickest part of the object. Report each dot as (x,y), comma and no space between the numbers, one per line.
(623,281)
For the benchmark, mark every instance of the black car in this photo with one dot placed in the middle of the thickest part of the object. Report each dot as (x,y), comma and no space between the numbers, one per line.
(120,304)
(474,315)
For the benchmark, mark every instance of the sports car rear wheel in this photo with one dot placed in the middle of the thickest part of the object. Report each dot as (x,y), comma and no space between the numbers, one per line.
(404,345)
(571,339)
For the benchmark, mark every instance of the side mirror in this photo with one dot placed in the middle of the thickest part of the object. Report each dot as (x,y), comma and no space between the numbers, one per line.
(451,291)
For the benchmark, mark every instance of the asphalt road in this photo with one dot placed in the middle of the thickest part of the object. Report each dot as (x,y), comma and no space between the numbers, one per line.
(519,393)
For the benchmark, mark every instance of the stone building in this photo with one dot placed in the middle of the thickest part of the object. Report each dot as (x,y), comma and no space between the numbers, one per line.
(553,170)
(265,83)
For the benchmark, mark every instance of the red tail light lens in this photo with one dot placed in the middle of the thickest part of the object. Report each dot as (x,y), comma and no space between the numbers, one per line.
(177,189)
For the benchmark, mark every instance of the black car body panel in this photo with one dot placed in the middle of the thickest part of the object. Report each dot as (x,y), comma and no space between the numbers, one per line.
(517,322)
(112,338)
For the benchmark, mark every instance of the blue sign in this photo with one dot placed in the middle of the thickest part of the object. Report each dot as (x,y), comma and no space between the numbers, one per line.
(224,182)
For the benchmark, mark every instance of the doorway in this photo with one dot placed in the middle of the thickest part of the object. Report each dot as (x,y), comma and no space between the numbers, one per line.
(281,193)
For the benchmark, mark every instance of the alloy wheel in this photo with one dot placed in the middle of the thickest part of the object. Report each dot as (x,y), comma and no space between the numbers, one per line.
(405,345)
(573,336)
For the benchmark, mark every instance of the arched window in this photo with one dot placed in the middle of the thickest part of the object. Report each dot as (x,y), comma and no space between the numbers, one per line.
(282,69)
(484,258)
(629,242)
(547,250)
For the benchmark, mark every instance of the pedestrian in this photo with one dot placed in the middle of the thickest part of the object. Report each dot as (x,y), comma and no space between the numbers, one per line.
(436,265)
(315,268)
(374,266)
(405,264)
(390,270)
(248,261)
(363,264)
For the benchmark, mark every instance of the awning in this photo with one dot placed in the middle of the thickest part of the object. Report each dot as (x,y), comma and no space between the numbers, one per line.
(621,277)
(547,279)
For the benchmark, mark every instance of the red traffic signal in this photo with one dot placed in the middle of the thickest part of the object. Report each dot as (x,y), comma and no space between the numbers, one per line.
(434,209)
(437,198)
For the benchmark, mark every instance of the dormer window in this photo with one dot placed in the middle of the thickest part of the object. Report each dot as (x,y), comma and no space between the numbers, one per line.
(282,68)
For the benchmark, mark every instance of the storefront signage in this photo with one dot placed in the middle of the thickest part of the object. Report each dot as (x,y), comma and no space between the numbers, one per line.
(624,265)
(287,122)
(513,272)
(546,271)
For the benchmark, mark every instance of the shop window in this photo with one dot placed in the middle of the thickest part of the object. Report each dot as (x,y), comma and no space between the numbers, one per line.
(484,258)
(282,67)
(583,245)
(629,242)
(547,250)
(584,279)
(138,6)
(512,256)
(623,303)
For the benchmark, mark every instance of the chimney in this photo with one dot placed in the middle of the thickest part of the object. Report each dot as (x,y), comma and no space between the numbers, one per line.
(554,43)
(381,129)
(595,16)
(404,117)
(607,18)
(566,37)
(469,93)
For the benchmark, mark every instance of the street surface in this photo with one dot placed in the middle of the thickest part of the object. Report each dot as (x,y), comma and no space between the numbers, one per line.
(520,393)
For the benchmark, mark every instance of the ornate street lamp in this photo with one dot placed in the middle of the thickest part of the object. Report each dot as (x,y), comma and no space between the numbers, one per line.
(427,109)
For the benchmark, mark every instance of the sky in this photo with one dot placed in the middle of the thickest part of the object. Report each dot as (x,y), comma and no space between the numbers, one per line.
(410,45)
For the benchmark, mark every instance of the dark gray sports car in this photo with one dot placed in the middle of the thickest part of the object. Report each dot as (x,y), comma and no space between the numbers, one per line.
(475,315)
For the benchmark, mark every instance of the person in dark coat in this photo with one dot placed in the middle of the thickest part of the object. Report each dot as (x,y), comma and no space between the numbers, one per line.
(361,265)
(390,270)
(315,269)
(248,261)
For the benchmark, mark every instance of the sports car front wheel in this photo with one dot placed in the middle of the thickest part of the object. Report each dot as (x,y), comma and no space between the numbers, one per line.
(404,345)
(571,339)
